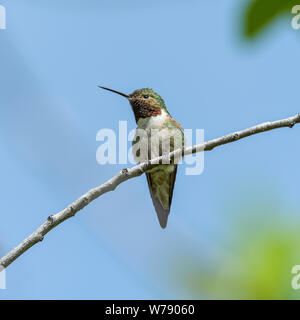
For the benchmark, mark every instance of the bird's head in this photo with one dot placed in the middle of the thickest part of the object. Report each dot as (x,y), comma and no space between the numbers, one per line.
(144,102)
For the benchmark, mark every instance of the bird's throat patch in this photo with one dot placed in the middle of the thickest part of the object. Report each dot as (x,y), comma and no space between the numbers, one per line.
(145,111)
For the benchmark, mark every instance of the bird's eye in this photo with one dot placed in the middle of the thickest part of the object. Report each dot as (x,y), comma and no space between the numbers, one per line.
(146,96)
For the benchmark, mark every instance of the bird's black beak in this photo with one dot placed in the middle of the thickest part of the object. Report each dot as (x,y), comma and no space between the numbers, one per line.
(118,92)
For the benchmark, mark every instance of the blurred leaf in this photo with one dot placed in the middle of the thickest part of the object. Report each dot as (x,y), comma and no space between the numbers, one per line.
(256,264)
(261,13)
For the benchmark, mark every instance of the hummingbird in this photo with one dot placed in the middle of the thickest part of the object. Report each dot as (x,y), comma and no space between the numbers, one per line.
(153,118)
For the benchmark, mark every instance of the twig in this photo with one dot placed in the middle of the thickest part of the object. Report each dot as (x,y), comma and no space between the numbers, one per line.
(130,173)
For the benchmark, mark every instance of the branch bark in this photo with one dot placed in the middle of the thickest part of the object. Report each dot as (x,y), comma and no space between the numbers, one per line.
(126,174)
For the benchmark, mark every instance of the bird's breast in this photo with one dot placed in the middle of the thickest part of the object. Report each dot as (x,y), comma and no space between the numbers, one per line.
(155,122)
(155,137)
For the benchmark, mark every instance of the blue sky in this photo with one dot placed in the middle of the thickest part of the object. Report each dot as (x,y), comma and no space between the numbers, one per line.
(53,55)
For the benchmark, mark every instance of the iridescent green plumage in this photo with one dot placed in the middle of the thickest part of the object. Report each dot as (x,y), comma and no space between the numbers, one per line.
(151,93)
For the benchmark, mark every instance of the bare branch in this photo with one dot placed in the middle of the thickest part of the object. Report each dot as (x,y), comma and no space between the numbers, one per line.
(130,173)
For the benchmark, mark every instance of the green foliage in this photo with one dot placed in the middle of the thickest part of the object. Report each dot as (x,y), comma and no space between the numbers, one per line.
(256,261)
(261,13)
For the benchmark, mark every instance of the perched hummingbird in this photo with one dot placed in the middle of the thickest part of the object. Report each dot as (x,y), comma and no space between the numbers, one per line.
(152,117)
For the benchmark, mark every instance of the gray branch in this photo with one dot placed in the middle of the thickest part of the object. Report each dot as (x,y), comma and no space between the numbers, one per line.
(130,173)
